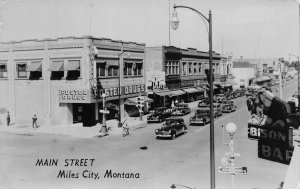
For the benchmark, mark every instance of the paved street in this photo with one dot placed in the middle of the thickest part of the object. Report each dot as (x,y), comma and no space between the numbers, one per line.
(183,161)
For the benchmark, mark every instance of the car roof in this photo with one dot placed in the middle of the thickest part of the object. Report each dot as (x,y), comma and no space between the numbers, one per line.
(174,118)
(204,108)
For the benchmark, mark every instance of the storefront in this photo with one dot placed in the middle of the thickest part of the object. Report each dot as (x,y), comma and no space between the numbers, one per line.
(66,77)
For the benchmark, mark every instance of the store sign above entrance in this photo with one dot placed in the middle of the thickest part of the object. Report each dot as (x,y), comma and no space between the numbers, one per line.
(75,96)
(175,77)
(126,90)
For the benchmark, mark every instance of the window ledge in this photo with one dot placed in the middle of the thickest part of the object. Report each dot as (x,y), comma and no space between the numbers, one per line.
(129,76)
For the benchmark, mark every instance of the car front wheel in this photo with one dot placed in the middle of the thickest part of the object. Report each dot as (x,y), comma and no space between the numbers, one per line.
(173,136)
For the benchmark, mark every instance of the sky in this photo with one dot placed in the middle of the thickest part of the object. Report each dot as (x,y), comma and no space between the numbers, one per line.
(247,28)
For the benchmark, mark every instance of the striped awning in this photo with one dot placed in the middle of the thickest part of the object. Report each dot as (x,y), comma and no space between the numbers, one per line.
(56,66)
(35,67)
(72,65)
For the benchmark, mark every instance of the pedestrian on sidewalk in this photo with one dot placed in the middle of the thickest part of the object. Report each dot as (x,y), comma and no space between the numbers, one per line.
(34,121)
(8,118)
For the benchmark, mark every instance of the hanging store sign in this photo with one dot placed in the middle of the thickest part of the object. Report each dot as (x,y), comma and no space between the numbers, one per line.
(74,96)
(125,90)
(275,152)
(175,77)
(274,144)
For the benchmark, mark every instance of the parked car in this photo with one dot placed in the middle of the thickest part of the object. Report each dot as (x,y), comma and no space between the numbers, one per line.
(159,114)
(228,107)
(217,109)
(181,109)
(172,127)
(204,102)
(220,97)
(201,117)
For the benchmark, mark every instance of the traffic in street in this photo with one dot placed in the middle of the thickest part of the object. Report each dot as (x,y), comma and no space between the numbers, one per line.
(152,162)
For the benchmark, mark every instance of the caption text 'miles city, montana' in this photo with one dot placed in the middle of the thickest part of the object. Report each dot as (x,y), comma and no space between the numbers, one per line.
(86,173)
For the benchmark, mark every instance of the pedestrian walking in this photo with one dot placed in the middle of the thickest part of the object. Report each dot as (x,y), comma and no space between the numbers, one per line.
(8,118)
(34,121)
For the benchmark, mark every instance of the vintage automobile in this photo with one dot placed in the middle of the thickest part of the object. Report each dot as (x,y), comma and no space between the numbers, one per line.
(228,107)
(220,97)
(203,103)
(201,117)
(217,109)
(181,109)
(159,114)
(172,127)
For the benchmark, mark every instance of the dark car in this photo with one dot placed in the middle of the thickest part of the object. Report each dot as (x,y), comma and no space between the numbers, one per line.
(220,97)
(201,117)
(159,114)
(228,106)
(172,127)
(181,109)
(205,102)
(217,109)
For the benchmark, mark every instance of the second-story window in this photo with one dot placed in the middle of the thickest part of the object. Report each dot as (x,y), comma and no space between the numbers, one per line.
(22,70)
(57,69)
(35,69)
(190,68)
(199,68)
(167,68)
(195,68)
(3,71)
(184,69)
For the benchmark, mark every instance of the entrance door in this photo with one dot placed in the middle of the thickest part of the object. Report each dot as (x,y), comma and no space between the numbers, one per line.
(84,113)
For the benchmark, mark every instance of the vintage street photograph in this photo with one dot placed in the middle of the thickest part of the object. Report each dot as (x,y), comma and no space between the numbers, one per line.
(149,94)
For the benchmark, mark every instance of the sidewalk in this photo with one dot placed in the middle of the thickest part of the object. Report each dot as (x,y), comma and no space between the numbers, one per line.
(76,130)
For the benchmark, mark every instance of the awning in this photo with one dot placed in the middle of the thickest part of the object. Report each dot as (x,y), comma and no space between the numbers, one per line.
(191,90)
(170,93)
(112,63)
(200,89)
(72,65)
(56,66)
(134,100)
(109,62)
(35,67)
(207,87)
(230,82)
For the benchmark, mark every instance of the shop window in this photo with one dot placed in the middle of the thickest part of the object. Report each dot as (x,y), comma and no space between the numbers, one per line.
(22,70)
(3,71)
(167,70)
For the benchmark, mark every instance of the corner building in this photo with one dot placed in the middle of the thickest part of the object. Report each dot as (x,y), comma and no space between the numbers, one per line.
(62,80)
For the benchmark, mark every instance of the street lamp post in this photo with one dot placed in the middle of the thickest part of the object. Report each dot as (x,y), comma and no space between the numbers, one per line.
(297,65)
(231,129)
(120,90)
(174,24)
(103,128)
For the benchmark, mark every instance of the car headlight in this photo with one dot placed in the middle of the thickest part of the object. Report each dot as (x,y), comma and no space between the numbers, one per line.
(170,131)
(156,130)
